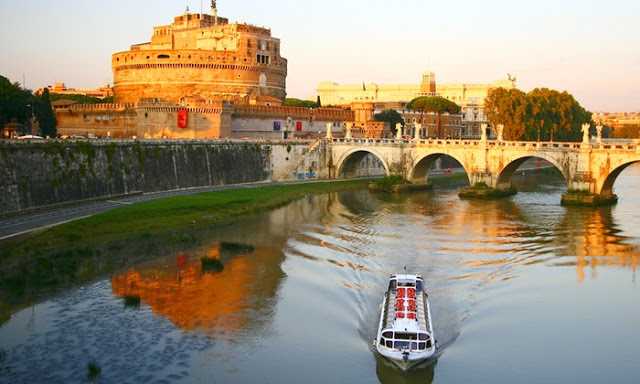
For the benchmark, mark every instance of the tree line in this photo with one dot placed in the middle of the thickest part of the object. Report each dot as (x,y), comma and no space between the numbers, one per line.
(540,115)
(20,105)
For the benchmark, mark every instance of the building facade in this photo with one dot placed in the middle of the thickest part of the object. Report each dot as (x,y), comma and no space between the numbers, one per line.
(470,98)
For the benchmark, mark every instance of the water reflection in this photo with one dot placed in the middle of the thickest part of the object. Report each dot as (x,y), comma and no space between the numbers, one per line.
(387,373)
(240,296)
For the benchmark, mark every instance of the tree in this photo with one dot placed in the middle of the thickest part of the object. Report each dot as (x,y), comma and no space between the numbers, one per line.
(434,104)
(507,107)
(15,102)
(292,102)
(390,116)
(555,116)
(81,99)
(45,115)
(628,131)
(541,114)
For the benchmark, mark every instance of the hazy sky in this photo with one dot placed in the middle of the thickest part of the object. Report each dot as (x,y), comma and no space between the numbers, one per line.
(589,48)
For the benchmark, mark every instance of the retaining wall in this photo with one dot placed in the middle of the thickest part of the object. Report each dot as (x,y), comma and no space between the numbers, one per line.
(42,173)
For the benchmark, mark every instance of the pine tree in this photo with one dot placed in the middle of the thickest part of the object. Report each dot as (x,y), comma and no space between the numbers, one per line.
(45,115)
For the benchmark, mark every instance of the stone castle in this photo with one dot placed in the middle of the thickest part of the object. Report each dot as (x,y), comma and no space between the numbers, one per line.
(202,56)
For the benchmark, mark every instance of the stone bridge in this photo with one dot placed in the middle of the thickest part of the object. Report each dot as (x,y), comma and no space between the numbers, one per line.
(590,168)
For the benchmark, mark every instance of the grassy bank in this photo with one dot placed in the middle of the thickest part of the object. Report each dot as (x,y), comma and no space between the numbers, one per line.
(158,216)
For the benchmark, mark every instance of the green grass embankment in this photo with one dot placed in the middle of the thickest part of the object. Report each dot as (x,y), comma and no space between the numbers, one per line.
(157,216)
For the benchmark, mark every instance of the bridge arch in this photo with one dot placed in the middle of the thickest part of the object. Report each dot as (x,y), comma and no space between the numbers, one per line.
(606,189)
(503,181)
(423,165)
(352,163)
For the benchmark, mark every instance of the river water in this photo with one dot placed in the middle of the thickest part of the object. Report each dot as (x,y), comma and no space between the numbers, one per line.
(522,290)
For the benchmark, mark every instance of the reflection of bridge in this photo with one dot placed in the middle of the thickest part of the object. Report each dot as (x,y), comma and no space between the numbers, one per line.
(589,167)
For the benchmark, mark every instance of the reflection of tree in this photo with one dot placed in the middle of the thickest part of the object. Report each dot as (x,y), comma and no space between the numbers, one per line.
(239,297)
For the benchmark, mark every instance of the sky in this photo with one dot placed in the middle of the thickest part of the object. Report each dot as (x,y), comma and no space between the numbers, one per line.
(588,48)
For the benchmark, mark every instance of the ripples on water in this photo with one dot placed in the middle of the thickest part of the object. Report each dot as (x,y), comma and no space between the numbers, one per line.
(522,289)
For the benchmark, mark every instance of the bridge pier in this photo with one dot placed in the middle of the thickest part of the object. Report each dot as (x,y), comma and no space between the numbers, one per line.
(484,185)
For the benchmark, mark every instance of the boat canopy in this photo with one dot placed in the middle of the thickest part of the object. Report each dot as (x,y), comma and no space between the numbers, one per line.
(406,281)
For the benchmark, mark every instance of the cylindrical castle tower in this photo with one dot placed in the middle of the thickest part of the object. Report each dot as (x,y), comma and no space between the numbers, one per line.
(201,55)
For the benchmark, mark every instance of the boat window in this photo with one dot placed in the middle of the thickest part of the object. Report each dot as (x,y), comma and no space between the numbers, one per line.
(423,336)
(387,334)
(400,344)
(419,284)
(393,284)
(422,345)
(389,344)
(406,336)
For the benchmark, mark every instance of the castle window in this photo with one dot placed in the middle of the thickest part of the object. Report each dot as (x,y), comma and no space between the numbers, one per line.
(163,57)
(263,59)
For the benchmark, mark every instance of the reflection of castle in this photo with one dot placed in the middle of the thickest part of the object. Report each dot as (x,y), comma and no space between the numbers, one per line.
(232,299)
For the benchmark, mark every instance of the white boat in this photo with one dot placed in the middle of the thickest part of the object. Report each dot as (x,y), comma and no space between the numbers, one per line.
(405,332)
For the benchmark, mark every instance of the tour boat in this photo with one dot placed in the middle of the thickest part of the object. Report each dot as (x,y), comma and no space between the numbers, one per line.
(405,332)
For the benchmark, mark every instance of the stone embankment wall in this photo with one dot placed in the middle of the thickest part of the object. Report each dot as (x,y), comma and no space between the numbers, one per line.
(49,172)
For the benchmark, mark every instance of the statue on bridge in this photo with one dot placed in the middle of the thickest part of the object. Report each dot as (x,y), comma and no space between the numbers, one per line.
(483,131)
(398,131)
(599,130)
(347,128)
(585,132)
(329,130)
(416,135)
(499,128)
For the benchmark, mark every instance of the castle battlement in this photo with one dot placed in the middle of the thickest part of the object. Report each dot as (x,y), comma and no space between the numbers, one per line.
(102,107)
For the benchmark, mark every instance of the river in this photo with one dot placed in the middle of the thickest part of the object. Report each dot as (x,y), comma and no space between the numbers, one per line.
(522,290)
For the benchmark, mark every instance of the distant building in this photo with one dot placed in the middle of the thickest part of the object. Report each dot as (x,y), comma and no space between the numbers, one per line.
(12,130)
(59,88)
(617,120)
(470,98)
